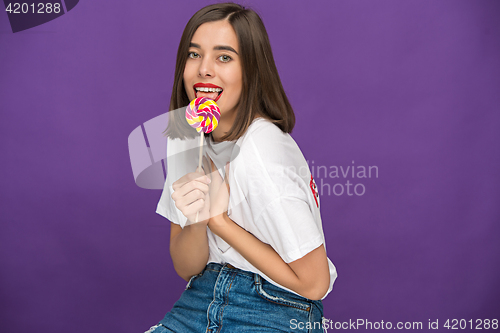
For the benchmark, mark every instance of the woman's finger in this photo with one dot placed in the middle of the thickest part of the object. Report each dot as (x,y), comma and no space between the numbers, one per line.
(191,197)
(191,186)
(198,176)
(190,211)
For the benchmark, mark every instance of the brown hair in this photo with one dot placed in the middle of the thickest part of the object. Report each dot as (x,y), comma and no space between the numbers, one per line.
(262,92)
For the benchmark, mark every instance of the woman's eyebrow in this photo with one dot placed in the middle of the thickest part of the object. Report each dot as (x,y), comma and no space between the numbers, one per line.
(218,47)
(225,47)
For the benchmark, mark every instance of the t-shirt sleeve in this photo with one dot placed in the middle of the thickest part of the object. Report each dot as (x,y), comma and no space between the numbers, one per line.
(166,206)
(288,225)
(181,159)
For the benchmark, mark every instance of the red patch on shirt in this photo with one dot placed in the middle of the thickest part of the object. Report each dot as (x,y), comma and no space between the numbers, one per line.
(314,190)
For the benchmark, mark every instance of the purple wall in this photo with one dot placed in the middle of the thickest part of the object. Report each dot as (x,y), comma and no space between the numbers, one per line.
(408,86)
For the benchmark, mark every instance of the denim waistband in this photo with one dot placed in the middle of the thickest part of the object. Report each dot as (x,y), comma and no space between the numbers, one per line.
(258,280)
(238,300)
(216,267)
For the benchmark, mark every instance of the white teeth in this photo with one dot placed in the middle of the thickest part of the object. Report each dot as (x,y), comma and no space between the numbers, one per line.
(208,89)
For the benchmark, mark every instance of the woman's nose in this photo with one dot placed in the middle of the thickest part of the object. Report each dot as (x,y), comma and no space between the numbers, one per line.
(206,68)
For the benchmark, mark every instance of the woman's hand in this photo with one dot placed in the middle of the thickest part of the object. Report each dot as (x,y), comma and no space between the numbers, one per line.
(191,196)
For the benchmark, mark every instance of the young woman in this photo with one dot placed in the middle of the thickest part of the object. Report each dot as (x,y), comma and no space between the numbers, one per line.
(255,258)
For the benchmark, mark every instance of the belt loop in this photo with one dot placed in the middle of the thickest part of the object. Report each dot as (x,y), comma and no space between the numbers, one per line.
(257,279)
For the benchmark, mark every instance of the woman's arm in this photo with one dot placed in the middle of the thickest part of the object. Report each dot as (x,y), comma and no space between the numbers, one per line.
(189,248)
(308,276)
(189,245)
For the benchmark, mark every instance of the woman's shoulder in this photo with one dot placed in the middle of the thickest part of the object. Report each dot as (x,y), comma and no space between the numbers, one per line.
(270,159)
(270,144)
(263,132)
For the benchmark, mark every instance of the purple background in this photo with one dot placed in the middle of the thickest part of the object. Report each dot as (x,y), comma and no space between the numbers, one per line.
(409,86)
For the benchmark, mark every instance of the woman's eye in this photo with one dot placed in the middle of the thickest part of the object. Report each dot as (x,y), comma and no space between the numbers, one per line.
(193,55)
(224,58)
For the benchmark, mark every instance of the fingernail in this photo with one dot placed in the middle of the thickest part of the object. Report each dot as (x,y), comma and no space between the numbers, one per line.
(208,180)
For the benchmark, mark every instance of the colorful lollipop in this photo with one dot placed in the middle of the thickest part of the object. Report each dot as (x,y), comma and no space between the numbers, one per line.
(203,114)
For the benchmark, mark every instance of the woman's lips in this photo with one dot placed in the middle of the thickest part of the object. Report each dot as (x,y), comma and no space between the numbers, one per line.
(213,95)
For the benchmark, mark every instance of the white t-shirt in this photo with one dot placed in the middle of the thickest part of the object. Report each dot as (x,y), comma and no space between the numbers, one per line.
(272,193)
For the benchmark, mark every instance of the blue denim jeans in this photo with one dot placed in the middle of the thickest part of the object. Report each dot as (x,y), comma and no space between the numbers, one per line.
(226,299)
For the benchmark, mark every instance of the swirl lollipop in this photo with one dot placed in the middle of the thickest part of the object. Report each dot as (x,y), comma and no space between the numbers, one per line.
(203,114)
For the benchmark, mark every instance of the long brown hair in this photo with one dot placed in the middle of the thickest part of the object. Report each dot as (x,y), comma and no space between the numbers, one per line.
(262,92)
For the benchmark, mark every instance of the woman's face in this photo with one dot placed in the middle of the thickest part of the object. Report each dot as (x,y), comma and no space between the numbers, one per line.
(213,64)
